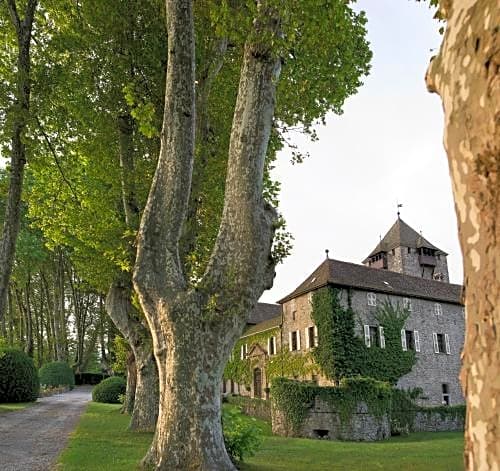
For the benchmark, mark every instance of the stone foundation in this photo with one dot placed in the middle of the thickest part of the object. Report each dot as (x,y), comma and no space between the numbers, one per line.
(322,421)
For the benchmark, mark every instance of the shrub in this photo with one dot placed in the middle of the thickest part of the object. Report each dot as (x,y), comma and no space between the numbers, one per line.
(110,390)
(242,436)
(57,373)
(18,377)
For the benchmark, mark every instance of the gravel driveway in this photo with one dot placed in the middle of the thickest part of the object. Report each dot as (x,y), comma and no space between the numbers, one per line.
(31,439)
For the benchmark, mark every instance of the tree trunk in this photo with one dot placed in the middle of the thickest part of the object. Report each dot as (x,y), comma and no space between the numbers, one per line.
(466,75)
(18,149)
(128,405)
(194,329)
(125,316)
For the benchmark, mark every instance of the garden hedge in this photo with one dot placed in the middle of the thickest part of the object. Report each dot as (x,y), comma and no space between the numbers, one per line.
(57,373)
(18,377)
(109,390)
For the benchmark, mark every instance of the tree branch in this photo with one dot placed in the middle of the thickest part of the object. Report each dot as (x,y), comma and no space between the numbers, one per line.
(158,267)
(241,266)
(56,160)
(14,16)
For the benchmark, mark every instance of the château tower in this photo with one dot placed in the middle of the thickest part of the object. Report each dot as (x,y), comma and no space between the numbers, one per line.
(404,250)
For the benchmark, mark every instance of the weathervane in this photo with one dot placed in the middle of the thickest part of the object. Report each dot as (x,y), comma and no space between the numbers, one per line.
(327,252)
(399,206)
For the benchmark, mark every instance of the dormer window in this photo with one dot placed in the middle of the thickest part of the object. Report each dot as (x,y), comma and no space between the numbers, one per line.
(371,299)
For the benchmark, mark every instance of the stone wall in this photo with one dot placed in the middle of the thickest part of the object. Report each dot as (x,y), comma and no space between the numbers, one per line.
(322,421)
(431,369)
(429,421)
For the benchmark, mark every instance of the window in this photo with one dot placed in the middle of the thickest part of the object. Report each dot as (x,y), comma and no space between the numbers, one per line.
(271,346)
(374,336)
(310,297)
(314,379)
(311,336)
(294,315)
(445,389)
(407,303)
(393,252)
(243,351)
(438,310)
(409,250)
(372,299)
(294,340)
(410,340)
(441,343)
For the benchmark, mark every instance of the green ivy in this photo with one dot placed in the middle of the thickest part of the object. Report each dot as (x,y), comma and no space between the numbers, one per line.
(294,399)
(342,354)
(240,370)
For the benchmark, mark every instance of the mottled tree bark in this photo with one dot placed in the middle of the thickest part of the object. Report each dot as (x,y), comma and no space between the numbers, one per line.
(126,318)
(195,328)
(23,27)
(128,405)
(466,75)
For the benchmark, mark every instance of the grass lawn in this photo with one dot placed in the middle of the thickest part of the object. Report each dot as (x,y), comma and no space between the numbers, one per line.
(12,406)
(101,442)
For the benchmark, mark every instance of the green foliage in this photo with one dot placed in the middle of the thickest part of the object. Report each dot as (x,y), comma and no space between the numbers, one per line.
(57,373)
(252,406)
(403,410)
(240,370)
(18,377)
(295,398)
(242,436)
(289,364)
(121,351)
(110,390)
(342,354)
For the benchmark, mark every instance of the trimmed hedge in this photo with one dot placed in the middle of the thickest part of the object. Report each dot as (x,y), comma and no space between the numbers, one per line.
(109,390)
(57,373)
(18,377)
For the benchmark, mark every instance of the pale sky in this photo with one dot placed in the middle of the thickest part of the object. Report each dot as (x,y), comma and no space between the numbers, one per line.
(385,148)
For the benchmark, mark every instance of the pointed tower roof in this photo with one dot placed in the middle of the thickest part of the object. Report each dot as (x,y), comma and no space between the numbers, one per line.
(402,235)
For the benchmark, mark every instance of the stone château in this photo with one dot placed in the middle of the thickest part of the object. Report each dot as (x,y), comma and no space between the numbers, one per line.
(405,269)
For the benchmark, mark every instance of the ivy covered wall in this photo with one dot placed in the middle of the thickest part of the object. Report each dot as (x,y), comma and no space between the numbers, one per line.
(342,354)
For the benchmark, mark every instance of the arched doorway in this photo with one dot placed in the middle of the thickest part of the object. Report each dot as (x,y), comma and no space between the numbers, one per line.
(257,382)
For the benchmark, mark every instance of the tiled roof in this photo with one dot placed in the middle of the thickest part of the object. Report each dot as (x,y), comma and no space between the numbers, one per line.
(343,274)
(402,235)
(263,312)
(263,326)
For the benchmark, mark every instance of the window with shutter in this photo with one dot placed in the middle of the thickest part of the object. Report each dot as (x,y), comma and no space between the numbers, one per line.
(382,337)
(306,333)
(367,334)
(374,336)
(290,345)
(441,344)
(403,340)
(298,339)
(447,344)
(417,340)
(435,342)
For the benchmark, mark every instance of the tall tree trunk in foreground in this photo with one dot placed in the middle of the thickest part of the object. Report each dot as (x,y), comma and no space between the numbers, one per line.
(194,329)
(466,75)
(23,27)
